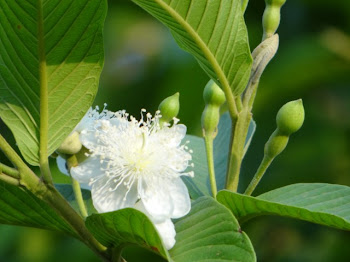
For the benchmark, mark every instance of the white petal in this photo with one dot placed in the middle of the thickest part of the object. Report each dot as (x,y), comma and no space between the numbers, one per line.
(167,232)
(155,196)
(88,138)
(180,197)
(61,164)
(87,170)
(85,122)
(165,228)
(106,200)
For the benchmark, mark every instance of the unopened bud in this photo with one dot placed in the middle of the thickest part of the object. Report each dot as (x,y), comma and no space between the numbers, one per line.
(214,97)
(275,145)
(290,117)
(169,108)
(71,145)
(272,17)
(213,94)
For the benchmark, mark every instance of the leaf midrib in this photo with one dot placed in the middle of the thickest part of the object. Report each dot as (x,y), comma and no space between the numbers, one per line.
(206,51)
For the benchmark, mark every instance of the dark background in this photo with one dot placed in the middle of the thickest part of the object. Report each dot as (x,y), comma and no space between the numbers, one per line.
(144,65)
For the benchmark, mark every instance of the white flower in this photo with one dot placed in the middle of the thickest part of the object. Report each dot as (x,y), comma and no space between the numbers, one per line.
(166,228)
(86,122)
(133,162)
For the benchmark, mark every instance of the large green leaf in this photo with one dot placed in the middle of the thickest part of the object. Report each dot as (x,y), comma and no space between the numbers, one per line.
(126,226)
(200,184)
(323,204)
(22,208)
(210,233)
(71,51)
(213,31)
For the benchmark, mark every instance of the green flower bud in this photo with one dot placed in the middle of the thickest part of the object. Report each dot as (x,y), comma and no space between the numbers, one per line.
(275,2)
(275,145)
(71,145)
(290,117)
(214,97)
(169,108)
(272,17)
(213,94)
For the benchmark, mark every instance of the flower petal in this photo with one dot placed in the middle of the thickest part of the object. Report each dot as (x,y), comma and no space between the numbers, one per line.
(165,228)
(167,232)
(89,169)
(155,196)
(180,198)
(61,164)
(106,199)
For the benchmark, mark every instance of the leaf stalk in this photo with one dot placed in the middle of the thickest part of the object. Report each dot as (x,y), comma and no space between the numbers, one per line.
(44,101)
(210,158)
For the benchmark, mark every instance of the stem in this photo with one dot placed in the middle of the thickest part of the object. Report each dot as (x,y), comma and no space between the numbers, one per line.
(72,162)
(44,101)
(240,129)
(244,5)
(49,194)
(9,171)
(55,199)
(27,177)
(79,198)
(258,175)
(117,254)
(209,148)
(250,94)
(9,180)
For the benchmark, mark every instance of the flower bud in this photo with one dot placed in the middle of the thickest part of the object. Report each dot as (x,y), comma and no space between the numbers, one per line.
(169,108)
(71,145)
(275,145)
(213,94)
(272,17)
(290,117)
(214,97)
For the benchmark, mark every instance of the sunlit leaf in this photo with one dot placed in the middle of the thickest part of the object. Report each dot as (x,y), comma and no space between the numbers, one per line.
(214,32)
(125,226)
(72,58)
(210,233)
(323,204)
(22,208)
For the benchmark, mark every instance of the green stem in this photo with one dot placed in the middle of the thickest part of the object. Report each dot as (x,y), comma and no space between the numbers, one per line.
(209,148)
(72,162)
(79,198)
(27,177)
(9,171)
(44,101)
(117,254)
(240,129)
(50,195)
(265,163)
(249,95)
(9,180)
(244,5)
(55,199)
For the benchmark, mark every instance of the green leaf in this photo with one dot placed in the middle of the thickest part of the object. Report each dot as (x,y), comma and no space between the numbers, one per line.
(323,204)
(214,32)
(72,56)
(200,184)
(126,226)
(22,208)
(210,233)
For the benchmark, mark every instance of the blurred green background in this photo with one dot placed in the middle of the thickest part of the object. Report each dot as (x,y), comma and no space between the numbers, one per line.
(144,65)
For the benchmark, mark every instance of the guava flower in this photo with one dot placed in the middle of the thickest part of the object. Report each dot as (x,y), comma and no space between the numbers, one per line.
(72,142)
(132,161)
